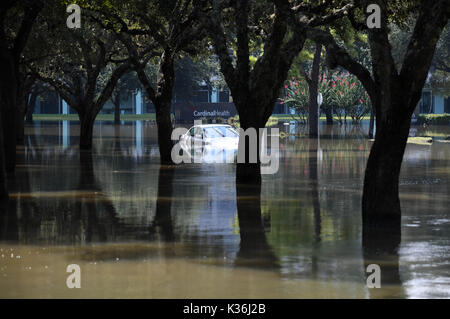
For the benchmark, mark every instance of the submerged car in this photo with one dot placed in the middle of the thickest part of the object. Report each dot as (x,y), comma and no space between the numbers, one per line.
(211,143)
(217,135)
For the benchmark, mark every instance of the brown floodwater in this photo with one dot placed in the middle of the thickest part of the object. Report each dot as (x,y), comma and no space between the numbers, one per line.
(138,230)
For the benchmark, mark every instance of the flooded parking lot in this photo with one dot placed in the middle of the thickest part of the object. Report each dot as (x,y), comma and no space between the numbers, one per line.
(138,229)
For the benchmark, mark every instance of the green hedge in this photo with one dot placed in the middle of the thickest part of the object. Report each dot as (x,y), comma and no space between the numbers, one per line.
(100,117)
(434,119)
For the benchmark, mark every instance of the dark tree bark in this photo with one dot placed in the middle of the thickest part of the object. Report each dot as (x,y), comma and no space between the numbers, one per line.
(24,87)
(3,180)
(31,106)
(371,124)
(9,87)
(249,172)
(313,147)
(9,118)
(87,120)
(165,126)
(329,115)
(20,127)
(313,85)
(381,204)
(163,104)
(116,102)
(162,99)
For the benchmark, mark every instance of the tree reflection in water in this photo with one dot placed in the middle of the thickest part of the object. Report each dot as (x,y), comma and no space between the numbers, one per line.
(81,215)
(381,247)
(254,249)
(162,224)
(313,147)
(96,211)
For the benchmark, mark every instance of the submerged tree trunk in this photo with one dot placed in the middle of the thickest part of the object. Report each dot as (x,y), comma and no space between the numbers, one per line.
(313,84)
(164,123)
(163,104)
(313,148)
(248,169)
(162,99)
(31,106)
(20,127)
(117,108)
(3,180)
(329,115)
(381,203)
(8,84)
(9,137)
(371,124)
(86,129)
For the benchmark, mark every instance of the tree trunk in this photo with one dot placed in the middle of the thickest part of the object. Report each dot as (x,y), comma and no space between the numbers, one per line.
(31,106)
(3,180)
(163,104)
(247,172)
(371,124)
(329,116)
(313,91)
(164,123)
(9,110)
(23,92)
(381,203)
(117,108)
(86,129)
(9,138)
(313,147)
(20,126)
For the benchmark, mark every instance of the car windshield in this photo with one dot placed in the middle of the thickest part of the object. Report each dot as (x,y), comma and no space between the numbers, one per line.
(212,133)
(225,131)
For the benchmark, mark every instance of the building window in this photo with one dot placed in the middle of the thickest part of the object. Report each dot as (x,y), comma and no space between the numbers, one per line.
(426,103)
(203,95)
(224,96)
(447,105)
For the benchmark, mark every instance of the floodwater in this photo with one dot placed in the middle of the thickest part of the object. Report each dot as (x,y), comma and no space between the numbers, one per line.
(138,230)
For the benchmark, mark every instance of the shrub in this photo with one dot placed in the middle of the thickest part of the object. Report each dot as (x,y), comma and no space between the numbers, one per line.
(433,119)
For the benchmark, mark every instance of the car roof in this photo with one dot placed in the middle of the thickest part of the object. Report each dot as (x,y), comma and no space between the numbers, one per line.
(209,125)
(212,125)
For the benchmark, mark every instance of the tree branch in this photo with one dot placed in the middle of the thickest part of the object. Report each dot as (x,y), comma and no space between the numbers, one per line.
(337,55)
(433,17)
